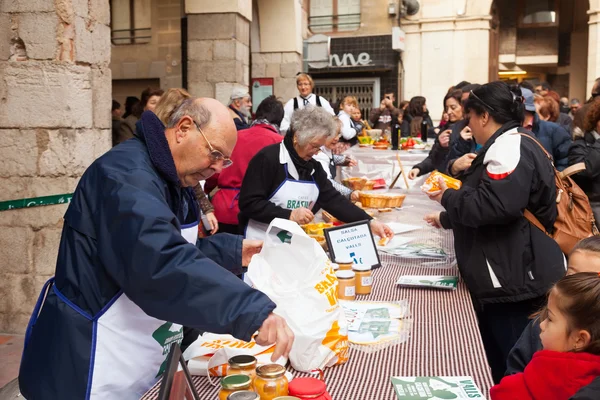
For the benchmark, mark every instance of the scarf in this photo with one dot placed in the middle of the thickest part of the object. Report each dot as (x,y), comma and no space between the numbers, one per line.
(264,122)
(303,167)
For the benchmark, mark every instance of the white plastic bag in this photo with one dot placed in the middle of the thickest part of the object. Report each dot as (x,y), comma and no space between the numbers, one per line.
(294,271)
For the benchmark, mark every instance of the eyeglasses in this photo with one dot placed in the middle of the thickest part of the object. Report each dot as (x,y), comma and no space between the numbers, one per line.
(215,155)
(482,102)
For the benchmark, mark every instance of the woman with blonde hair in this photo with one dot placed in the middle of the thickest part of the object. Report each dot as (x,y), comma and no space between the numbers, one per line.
(350,128)
(305,85)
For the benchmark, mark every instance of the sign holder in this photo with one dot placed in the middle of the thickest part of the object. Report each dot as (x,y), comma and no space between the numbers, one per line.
(358,237)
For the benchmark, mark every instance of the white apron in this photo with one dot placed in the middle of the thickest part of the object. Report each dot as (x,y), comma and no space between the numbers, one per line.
(290,195)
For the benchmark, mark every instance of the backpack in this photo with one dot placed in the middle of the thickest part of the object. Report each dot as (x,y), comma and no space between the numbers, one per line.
(575,220)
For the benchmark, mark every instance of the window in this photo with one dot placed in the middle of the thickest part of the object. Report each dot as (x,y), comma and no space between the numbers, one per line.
(334,15)
(130,21)
(538,13)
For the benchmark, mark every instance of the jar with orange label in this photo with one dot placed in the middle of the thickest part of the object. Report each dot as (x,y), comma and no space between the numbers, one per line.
(242,364)
(335,267)
(344,263)
(346,284)
(234,383)
(270,381)
(364,279)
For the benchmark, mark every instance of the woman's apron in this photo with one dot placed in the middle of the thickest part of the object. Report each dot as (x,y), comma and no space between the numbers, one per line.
(290,195)
(129,348)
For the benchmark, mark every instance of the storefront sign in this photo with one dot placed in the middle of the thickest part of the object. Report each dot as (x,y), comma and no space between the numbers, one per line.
(353,241)
(261,89)
(398,38)
(348,60)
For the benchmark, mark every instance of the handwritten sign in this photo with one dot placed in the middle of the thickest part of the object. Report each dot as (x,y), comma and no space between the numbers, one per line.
(354,241)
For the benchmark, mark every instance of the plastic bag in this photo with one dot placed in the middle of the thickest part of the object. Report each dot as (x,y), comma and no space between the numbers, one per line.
(294,271)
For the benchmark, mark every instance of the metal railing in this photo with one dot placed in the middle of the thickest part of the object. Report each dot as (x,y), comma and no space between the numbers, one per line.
(130,36)
(334,21)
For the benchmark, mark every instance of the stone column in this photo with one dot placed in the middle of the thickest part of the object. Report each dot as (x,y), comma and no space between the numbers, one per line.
(218,46)
(55,94)
(593,44)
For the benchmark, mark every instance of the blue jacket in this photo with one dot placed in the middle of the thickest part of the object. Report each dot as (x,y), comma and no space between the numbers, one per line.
(121,234)
(555,139)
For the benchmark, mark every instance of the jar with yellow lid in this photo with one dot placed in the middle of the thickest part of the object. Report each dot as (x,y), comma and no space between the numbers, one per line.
(346,285)
(364,279)
(344,263)
(234,383)
(270,381)
(242,364)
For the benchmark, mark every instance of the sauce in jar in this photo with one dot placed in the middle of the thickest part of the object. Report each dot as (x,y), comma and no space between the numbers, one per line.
(344,263)
(242,365)
(364,279)
(335,267)
(243,395)
(234,383)
(346,285)
(270,382)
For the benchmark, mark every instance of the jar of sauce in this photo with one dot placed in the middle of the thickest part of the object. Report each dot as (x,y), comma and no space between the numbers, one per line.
(234,383)
(243,395)
(335,267)
(309,388)
(344,263)
(242,364)
(270,382)
(364,279)
(346,284)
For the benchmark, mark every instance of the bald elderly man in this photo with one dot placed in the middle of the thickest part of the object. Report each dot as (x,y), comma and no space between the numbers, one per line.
(131,270)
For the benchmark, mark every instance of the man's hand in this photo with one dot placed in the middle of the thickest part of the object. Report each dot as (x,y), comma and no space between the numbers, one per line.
(444,138)
(354,196)
(466,133)
(433,220)
(250,248)
(413,173)
(214,224)
(301,216)
(275,330)
(380,229)
(437,196)
(463,163)
(383,105)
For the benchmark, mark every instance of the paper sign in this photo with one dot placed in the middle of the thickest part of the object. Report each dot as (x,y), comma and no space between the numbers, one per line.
(261,89)
(432,281)
(353,241)
(435,387)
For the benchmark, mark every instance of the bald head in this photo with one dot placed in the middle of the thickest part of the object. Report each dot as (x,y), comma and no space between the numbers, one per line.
(220,126)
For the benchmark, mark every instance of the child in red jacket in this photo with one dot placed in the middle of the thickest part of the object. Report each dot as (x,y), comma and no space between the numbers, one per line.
(571,340)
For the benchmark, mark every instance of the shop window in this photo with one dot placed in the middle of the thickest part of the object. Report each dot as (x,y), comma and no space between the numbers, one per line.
(334,15)
(130,21)
(538,13)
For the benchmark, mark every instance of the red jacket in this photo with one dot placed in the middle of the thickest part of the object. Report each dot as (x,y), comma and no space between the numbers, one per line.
(549,375)
(250,141)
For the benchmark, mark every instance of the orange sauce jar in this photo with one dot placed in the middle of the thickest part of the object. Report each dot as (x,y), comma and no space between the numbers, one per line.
(242,365)
(270,381)
(346,284)
(364,279)
(344,263)
(234,383)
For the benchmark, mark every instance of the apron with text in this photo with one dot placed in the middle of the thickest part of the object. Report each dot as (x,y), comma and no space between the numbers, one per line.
(290,195)
(129,347)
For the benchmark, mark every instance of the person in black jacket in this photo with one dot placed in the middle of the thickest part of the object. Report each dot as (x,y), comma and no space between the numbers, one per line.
(585,257)
(284,181)
(507,264)
(436,160)
(416,108)
(586,149)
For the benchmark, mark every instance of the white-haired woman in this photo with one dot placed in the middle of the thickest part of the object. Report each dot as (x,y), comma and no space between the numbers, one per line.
(284,181)
(305,86)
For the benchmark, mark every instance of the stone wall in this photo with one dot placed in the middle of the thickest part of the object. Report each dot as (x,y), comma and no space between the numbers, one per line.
(54,121)
(283,67)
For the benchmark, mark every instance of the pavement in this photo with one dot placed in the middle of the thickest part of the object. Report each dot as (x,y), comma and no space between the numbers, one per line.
(11,347)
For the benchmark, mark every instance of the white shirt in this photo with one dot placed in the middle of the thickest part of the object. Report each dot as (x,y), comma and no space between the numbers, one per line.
(348,132)
(289,109)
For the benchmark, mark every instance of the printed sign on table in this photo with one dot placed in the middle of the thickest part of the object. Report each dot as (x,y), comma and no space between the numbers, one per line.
(436,387)
(354,241)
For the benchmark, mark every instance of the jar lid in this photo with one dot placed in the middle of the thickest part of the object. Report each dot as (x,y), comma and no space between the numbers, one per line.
(363,267)
(243,395)
(342,260)
(270,371)
(335,266)
(307,387)
(287,398)
(345,274)
(242,361)
(233,382)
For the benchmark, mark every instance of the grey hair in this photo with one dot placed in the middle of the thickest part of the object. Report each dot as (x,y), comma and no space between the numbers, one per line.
(312,123)
(190,108)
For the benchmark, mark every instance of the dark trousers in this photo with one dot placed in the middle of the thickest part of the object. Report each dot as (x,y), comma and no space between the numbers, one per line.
(501,325)
(228,228)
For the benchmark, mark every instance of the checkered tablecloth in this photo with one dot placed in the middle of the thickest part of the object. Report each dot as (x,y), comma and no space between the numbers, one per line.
(444,341)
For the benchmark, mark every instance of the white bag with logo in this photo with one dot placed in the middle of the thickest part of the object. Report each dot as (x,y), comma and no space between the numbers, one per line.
(294,271)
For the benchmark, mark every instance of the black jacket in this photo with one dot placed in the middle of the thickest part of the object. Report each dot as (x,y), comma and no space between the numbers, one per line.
(501,256)
(587,150)
(238,119)
(438,156)
(405,127)
(555,139)
(265,175)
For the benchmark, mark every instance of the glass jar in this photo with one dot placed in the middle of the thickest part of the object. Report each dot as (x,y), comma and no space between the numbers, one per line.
(270,381)
(344,263)
(234,383)
(346,284)
(335,267)
(244,395)
(242,365)
(364,279)
(309,388)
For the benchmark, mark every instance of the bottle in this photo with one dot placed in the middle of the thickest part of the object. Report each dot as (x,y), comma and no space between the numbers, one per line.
(270,381)
(242,365)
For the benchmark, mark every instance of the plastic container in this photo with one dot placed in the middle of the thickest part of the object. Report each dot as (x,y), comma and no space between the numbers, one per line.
(234,383)
(346,284)
(309,388)
(364,279)
(242,365)
(344,263)
(270,382)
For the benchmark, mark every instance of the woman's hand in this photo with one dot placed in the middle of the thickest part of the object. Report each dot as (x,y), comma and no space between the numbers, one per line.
(380,229)
(444,138)
(301,216)
(463,163)
(466,133)
(354,196)
(433,220)
(214,224)
(351,162)
(413,173)
(437,196)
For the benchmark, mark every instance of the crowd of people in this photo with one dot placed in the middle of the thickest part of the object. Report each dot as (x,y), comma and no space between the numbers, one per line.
(132,275)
